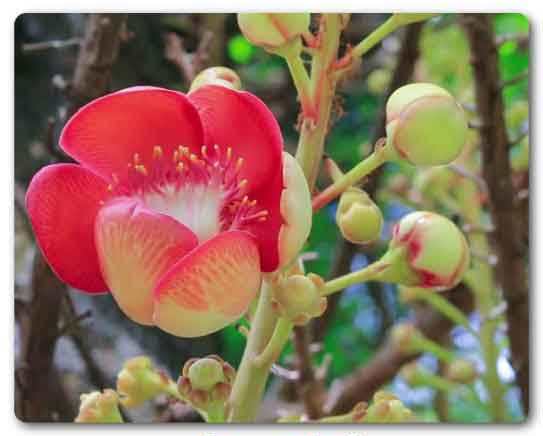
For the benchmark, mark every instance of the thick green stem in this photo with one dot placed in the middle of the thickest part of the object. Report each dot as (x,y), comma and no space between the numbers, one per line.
(251,378)
(376,36)
(301,82)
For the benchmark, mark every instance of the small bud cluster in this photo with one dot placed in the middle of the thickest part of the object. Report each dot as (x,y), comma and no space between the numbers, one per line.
(139,381)
(297,298)
(387,408)
(206,383)
(99,407)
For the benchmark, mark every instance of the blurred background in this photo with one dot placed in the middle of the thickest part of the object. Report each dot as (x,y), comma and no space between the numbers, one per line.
(67,343)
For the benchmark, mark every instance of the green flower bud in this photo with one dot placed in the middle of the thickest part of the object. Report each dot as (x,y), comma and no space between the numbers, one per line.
(461,371)
(99,407)
(412,374)
(221,76)
(297,298)
(205,373)
(139,381)
(426,250)
(387,408)
(358,218)
(404,336)
(378,81)
(425,125)
(272,31)
(408,294)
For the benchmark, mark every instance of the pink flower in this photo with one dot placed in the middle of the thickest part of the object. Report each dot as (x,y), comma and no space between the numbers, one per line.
(177,207)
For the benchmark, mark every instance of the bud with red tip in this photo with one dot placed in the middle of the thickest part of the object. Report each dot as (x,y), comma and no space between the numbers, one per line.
(425,125)
(358,218)
(426,250)
(99,408)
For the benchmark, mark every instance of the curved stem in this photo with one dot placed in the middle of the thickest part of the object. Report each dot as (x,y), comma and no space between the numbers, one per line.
(376,36)
(275,345)
(357,173)
(301,82)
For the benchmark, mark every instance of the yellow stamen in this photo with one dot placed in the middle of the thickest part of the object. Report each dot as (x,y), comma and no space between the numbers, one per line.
(242,183)
(239,163)
(141,169)
(157,151)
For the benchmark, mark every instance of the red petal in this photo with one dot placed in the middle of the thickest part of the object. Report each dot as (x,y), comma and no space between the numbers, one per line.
(268,197)
(210,287)
(135,247)
(242,121)
(62,201)
(105,134)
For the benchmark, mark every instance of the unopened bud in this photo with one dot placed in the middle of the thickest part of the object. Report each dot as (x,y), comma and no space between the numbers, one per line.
(404,338)
(272,31)
(99,408)
(411,373)
(408,294)
(461,371)
(386,408)
(221,76)
(426,250)
(297,298)
(205,373)
(139,381)
(425,125)
(358,218)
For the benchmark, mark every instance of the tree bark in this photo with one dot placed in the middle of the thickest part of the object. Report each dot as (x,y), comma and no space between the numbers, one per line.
(496,169)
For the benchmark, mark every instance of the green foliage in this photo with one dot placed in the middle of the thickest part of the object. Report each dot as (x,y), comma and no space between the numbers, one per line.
(240,50)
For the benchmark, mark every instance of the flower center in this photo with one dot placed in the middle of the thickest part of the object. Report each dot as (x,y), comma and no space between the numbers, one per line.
(203,192)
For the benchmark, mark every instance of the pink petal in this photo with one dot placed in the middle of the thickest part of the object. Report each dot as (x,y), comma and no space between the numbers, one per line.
(62,202)
(105,134)
(210,287)
(242,121)
(135,247)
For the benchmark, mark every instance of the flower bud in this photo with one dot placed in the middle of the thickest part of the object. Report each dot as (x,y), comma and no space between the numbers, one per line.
(206,383)
(461,371)
(99,407)
(387,408)
(431,252)
(411,373)
(358,218)
(425,125)
(404,338)
(271,31)
(378,81)
(297,298)
(139,381)
(221,76)
(408,294)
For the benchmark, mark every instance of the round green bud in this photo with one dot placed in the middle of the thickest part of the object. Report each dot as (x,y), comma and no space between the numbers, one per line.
(99,408)
(411,373)
(205,373)
(221,76)
(358,218)
(403,337)
(387,408)
(435,252)
(378,81)
(461,371)
(297,298)
(272,31)
(425,125)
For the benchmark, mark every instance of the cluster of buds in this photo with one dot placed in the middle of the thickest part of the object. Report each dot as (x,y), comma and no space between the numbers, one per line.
(206,383)
(139,381)
(425,125)
(221,76)
(358,217)
(406,338)
(297,298)
(273,32)
(99,408)
(426,250)
(387,408)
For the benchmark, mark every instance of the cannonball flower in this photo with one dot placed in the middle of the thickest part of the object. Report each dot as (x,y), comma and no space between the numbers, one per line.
(178,204)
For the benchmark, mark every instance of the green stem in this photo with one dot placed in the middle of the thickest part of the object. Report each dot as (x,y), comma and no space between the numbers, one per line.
(275,345)
(301,82)
(423,344)
(376,36)
(361,170)
(445,308)
(251,379)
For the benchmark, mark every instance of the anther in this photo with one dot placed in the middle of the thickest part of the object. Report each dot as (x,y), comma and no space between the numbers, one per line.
(141,169)
(136,158)
(239,163)
(180,167)
(242,184)
(157,151)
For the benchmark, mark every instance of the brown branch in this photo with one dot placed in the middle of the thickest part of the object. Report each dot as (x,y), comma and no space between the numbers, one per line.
(362,384)
(98,52)
(496,169)
(188,64)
